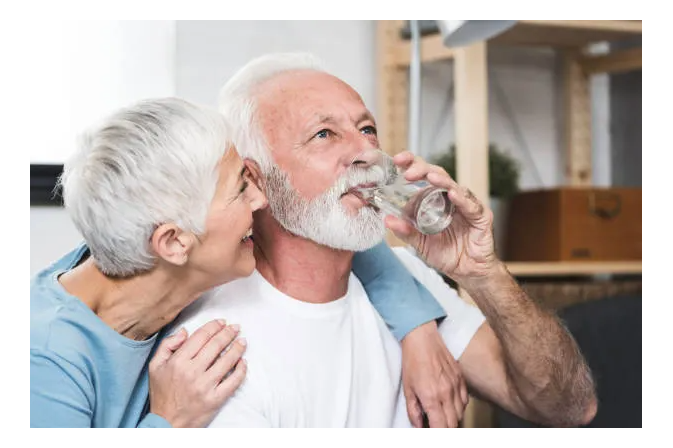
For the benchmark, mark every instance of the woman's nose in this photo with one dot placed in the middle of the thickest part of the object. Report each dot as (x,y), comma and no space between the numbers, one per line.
(258,199)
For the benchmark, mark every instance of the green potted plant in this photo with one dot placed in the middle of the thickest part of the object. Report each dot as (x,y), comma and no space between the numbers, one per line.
(503,179)
(503,170)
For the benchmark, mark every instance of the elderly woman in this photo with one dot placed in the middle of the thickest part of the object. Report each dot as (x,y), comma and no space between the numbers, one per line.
(165,207)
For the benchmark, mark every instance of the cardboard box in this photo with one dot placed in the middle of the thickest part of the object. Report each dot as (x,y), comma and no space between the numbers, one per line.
(575,224)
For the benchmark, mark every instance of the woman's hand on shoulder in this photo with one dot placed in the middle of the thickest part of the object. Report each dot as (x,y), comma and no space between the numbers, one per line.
(191,377)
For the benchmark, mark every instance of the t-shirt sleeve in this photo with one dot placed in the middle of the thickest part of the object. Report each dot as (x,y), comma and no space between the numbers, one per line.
(462,319)
(59,395)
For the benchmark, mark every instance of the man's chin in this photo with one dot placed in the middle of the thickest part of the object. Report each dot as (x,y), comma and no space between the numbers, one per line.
(353,237)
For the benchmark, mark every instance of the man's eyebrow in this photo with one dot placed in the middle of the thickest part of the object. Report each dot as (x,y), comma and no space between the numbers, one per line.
(325,119)
(365,116)
(242,171)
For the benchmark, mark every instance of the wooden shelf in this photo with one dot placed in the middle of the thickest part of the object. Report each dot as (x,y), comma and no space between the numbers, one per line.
(540,269)
(544,33)
(569,33)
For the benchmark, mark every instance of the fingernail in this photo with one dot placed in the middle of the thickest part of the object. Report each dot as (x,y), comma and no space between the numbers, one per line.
(235,327)
(222,322)
(181,332)
(243,342)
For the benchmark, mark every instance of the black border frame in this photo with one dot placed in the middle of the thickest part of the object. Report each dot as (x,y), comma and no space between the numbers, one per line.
(43,181)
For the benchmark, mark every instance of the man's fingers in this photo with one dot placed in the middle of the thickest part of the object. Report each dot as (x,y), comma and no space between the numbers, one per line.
(403,230)
(169,345)
(199,338)
(403,160)
(465,201)
(467,204)
(417,171)
(414,409)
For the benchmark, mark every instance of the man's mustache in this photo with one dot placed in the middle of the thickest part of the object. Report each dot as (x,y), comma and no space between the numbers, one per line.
(356,176)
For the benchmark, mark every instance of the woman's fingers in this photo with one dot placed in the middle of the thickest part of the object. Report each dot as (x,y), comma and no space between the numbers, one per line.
(215,346)
(227,387)
(223,365)
(199,338)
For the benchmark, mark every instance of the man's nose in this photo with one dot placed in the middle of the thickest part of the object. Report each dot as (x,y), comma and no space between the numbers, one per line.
(367,158)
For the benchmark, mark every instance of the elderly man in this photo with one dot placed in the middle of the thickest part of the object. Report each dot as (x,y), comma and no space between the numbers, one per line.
(318,353)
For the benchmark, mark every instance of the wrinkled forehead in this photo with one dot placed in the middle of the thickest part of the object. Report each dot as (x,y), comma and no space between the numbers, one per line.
(307,91)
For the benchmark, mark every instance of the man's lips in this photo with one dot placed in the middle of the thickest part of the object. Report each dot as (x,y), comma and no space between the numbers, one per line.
(354,190)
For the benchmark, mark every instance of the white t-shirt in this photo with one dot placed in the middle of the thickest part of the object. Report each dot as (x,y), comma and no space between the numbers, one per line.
(322,365)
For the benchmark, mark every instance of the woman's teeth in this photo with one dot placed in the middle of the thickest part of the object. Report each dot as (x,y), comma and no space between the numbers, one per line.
(248,235)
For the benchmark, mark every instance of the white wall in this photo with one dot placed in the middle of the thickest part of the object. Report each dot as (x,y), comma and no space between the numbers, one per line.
(94,68)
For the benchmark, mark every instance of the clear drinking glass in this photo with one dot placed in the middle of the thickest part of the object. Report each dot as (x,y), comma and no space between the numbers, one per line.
(420,203)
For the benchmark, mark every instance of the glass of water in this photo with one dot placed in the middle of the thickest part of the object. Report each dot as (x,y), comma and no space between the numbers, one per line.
(420,203)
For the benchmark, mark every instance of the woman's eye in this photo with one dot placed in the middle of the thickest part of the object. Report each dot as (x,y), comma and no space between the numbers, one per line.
(243,187)
(368,130)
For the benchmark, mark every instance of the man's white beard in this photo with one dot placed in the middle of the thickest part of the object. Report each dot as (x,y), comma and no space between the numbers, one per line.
(324,219)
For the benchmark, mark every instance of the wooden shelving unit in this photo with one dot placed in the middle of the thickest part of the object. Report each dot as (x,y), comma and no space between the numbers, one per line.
(535,269)
(571,37)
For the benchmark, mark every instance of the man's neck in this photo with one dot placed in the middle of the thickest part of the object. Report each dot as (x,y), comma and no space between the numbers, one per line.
(297,267)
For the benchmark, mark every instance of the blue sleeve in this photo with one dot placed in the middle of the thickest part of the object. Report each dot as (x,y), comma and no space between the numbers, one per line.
(57,398)
(399,298)
(154,421)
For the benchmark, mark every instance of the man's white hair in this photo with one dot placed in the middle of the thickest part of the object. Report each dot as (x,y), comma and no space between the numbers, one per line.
(238,102)
(148,164)
(322,219)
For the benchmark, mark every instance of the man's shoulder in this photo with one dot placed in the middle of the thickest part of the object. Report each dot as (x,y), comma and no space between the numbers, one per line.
(237,302)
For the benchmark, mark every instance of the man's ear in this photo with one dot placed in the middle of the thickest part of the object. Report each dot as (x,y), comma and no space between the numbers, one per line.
(172,244)
(256,174)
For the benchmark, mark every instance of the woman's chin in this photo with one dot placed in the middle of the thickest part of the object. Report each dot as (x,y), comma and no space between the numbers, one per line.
(246,263)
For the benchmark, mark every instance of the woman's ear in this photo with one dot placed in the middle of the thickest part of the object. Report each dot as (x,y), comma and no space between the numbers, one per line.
(172,244)
(255,174)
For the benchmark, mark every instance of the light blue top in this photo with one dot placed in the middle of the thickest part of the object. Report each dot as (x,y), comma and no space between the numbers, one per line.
(85,374)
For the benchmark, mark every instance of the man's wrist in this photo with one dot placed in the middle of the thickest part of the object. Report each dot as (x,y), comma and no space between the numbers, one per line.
(495,273)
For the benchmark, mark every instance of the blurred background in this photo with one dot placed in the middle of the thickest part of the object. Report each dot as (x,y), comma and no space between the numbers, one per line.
(541,118)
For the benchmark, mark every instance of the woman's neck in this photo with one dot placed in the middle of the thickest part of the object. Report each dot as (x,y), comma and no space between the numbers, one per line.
(135,307)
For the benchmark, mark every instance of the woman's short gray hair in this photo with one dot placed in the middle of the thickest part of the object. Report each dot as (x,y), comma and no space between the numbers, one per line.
(149,164)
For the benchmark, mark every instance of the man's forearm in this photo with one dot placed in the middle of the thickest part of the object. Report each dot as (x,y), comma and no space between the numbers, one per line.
(542,359)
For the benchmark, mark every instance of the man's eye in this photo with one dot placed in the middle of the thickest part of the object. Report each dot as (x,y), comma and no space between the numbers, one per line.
(371,130)
(243,187)
(324,133)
